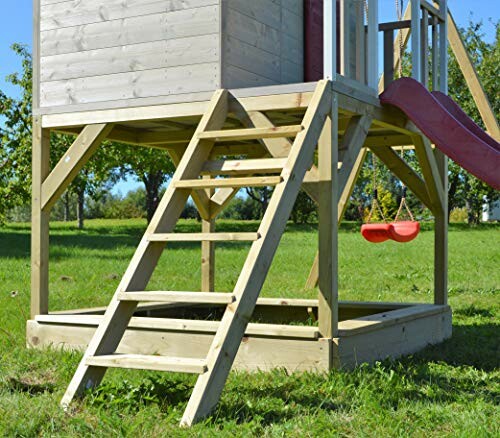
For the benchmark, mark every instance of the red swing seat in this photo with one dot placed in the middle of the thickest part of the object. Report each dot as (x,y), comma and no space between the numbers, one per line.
(404,231)
(376,233)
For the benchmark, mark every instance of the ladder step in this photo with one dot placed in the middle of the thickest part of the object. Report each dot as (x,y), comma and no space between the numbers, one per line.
(234,167)
(204,237)
(178,297)
(254,181)
(251,133)
(147,362)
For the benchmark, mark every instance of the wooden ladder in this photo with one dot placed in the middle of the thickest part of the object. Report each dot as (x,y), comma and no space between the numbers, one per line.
(214,369)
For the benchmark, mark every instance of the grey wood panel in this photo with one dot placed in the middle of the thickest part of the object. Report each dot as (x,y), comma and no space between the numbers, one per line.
(132,85)
(267,12)
(251,31)
(295,6)
(136,57)
(291,72)
(251,58)
(134,30)
(77,12)
(235,77)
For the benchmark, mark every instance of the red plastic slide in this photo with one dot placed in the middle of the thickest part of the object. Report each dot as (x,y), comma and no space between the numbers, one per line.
(448,127)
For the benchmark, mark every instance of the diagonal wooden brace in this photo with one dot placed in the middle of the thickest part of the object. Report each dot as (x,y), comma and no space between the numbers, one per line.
(72,162)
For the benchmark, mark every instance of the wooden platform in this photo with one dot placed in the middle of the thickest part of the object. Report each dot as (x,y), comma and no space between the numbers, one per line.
(367,332)
(170,125)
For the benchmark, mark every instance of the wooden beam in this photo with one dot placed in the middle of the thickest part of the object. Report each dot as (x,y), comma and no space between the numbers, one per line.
(280,148)
(405,173)
(354,157)
(200,198)
(251,133)
(472,79)
(204,236)
(221,199)
(247,167)
(208,249)
(328,226)
(252,181)
(352,143)
(72,162)
(430,171)
(39,221)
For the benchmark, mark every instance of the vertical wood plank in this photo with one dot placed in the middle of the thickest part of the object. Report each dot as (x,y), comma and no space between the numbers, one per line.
(424,36)
(415,41)
(441,220)
(330,39)
(435,52)
(36,56)
(372,45)
(39,222)
(388,57)
(328,225)
(208,252)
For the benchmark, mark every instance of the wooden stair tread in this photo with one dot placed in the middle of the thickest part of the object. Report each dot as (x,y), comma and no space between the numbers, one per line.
(251,133)
(247,166)
(203,237)
(177,297)
(255,181)
(148,362)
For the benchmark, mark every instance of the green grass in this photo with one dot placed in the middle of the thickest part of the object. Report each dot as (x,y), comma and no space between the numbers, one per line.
(448,390)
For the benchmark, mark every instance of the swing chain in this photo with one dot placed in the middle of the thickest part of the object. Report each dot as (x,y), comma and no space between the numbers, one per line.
(375,203)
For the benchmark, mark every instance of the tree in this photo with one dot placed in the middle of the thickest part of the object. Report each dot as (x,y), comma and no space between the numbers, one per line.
(15,149)
(465,189)
(152,167)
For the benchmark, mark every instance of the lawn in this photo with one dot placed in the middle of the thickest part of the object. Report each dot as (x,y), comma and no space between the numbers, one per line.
(448,390)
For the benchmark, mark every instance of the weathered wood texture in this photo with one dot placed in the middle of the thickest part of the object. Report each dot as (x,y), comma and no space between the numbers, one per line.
(98,52)
(265,346)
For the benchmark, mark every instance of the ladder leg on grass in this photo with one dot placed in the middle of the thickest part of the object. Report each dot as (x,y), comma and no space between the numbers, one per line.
(213,370)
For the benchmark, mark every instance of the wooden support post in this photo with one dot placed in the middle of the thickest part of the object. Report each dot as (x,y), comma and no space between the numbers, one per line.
(208,252)
(329,39)
(424,36)
(388,57)
(372,46)
(416,58)
(352,162)
(328,225)
(39,222)
(441,220)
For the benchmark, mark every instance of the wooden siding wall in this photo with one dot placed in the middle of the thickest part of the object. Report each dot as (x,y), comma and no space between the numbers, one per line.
(263,42)
(101,51)
(97,54)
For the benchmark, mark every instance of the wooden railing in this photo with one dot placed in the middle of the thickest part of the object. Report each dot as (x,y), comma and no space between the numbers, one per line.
(358,40)
(422,16)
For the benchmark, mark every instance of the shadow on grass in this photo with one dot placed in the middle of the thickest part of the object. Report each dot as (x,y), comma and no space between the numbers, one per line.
(475,345)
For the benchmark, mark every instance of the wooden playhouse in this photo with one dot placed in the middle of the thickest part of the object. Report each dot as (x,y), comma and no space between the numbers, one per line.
(252,91)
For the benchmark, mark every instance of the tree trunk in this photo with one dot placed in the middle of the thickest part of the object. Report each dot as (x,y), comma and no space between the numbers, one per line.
(152,183)
(66,200)
(80,211)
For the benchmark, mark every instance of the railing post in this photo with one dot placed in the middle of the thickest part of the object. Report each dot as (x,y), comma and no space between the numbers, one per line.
(441,220)
(372,46)
(329,39)
(416,57)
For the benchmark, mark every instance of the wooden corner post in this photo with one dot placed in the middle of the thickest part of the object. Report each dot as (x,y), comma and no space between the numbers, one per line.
(328,224)
(441,219)
(39,221)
